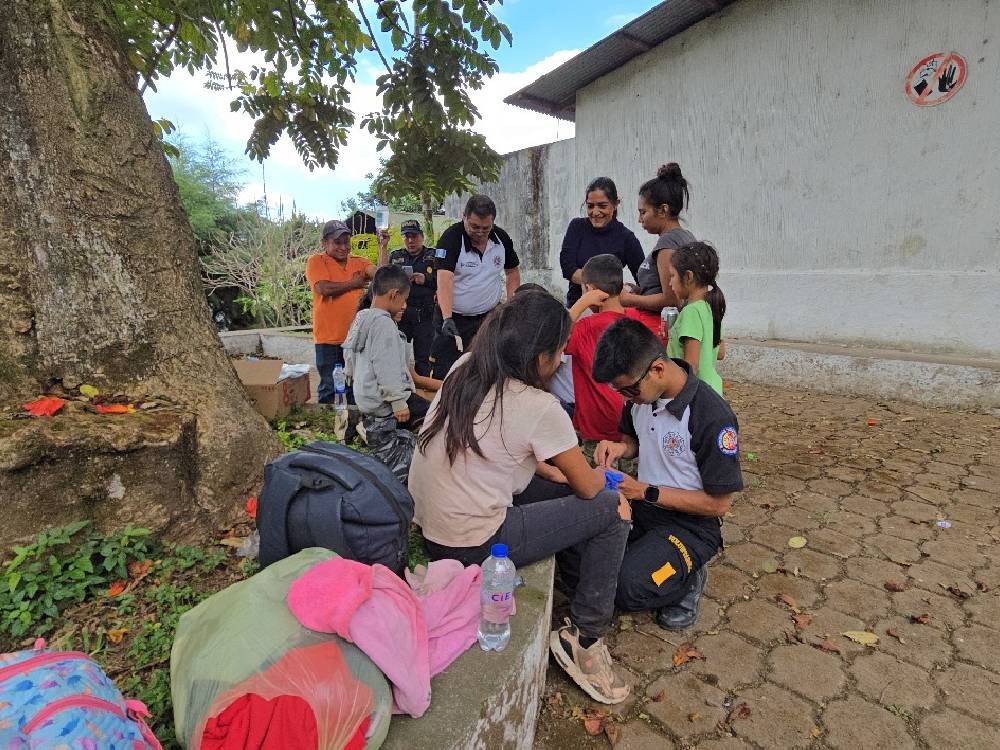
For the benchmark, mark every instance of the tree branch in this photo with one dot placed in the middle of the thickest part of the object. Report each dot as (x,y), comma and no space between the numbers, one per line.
(371,35)
(156,58)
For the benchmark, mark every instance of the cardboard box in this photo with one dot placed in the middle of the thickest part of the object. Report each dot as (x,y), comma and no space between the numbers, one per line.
(270,397)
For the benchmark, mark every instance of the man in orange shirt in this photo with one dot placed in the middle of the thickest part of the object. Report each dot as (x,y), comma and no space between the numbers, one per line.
(337,280)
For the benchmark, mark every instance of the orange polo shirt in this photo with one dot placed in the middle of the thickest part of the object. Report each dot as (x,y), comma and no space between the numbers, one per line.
(332,316)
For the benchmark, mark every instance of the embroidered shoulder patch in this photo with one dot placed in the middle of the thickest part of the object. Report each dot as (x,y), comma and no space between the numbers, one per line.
(440,253)
(728,441)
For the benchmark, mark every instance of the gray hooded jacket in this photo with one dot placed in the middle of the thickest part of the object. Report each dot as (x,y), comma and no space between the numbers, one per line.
(375,357)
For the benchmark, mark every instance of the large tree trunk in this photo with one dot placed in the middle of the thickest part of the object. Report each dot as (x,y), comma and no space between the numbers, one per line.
(99,279)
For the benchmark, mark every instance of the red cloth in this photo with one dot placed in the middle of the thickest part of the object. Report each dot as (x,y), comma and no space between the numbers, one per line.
(598,406)
(254,723)
(648,318)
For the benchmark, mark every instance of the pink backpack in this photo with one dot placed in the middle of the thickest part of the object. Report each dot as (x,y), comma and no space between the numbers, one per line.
(63,699)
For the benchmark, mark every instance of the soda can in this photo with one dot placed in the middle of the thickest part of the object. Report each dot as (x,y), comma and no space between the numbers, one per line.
(669,315)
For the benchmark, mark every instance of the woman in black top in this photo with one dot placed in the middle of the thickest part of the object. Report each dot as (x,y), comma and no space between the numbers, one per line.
(598,234)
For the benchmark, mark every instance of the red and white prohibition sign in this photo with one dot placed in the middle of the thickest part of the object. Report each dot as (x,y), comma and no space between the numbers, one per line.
(936,78)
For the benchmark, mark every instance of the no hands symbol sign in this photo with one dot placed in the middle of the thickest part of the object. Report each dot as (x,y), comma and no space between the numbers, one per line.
(936,78)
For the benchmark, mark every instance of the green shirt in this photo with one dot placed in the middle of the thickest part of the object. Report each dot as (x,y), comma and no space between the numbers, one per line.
(695,322)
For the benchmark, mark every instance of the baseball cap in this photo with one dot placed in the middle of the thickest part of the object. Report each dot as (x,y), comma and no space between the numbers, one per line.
(335,228)
(410,226)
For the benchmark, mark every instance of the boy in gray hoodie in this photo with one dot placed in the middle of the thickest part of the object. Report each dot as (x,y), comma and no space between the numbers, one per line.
(377,361)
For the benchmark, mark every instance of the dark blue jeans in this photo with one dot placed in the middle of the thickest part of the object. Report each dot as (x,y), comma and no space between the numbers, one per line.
(327,357)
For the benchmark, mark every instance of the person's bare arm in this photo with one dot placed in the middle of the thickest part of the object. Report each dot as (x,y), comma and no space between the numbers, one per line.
(664,298)
(445,292)
(692,352)
(696,502)
(336,288)
(550,472)
(422,381)
(593,297)
(582,478)
(577,277)
(721,355)
(370,271)
(513,280)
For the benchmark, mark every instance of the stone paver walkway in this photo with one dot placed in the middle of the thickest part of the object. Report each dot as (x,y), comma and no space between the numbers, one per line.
(869,485)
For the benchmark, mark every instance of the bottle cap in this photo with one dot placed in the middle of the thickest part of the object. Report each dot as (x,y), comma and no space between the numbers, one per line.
(498,550)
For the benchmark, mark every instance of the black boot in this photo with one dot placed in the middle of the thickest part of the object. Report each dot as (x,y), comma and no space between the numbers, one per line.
(683,614)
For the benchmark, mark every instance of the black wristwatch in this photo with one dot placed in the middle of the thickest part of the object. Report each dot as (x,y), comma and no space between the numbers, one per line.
(652,494)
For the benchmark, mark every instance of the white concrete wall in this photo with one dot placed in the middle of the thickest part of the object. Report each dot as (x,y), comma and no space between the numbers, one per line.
(842,212)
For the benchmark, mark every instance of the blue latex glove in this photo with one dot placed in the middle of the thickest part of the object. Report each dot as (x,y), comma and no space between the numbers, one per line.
(612,479)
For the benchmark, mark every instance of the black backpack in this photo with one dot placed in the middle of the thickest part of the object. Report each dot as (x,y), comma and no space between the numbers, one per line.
(327,495)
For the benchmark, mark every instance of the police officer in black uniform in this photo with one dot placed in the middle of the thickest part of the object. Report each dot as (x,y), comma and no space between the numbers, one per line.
(418,320)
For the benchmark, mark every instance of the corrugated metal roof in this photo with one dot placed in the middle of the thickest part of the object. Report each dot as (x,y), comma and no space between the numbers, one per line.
(555,92)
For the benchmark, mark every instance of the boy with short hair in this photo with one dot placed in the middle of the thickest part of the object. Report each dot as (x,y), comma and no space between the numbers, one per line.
(687,440)
(598,406)
(377,360)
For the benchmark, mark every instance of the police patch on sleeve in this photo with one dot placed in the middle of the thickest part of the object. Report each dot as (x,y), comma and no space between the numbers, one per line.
(728,441)
(440,253)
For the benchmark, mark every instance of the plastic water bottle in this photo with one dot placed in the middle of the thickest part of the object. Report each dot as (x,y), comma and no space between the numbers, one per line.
(496,600)
(339,402)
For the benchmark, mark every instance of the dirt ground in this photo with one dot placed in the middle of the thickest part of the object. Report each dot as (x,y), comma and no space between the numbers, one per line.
(898,505)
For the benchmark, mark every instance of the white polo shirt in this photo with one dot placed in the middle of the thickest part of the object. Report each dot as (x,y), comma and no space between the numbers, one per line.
(479,283)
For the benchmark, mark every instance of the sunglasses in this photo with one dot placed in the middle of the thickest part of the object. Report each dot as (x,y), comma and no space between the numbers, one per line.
(632,390)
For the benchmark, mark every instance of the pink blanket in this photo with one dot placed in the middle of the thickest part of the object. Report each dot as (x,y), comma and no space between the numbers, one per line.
(409,636)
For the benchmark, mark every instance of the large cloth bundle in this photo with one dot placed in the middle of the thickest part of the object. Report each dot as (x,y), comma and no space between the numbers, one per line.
(243,670)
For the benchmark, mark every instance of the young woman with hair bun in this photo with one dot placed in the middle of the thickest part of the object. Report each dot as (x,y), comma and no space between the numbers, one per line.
(661,201)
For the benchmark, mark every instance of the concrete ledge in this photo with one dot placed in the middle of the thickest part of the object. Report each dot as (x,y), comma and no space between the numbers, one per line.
(489,701)
(293,344)
(877,373)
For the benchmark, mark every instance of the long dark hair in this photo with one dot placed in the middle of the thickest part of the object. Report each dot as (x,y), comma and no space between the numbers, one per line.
(507,346)
(668,187)
(702,261)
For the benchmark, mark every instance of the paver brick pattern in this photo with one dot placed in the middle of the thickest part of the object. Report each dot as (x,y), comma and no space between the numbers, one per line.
(868,498)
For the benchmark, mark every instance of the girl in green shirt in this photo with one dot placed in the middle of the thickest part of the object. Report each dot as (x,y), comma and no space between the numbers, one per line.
(696,335)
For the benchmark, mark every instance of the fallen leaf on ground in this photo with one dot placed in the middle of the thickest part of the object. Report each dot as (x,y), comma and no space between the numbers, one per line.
(46,406)
(802,620)
(149,405)
(920,619)
(593,726)
(694,717)
(658,698)
(117,634)
(89,391)
(770,566)
(896,586)
(614,733)
(908,419)
(957,592)
(252,507)
(139,569)
(115,408)
(686,652)
(828,646)
(861,636)
(797,542)
(872,422)
(787,601)
(740,711)
(116,588)
(815,733)
(895,634)
(982,586)
(231,541)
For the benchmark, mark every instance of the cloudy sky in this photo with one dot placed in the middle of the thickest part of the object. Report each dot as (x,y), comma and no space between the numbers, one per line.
(546,34)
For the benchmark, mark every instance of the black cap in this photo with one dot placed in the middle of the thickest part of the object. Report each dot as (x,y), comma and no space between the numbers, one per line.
(410,226)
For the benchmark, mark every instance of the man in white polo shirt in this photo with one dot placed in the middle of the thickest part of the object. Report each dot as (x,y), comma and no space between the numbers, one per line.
(469,259)
(687,441)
